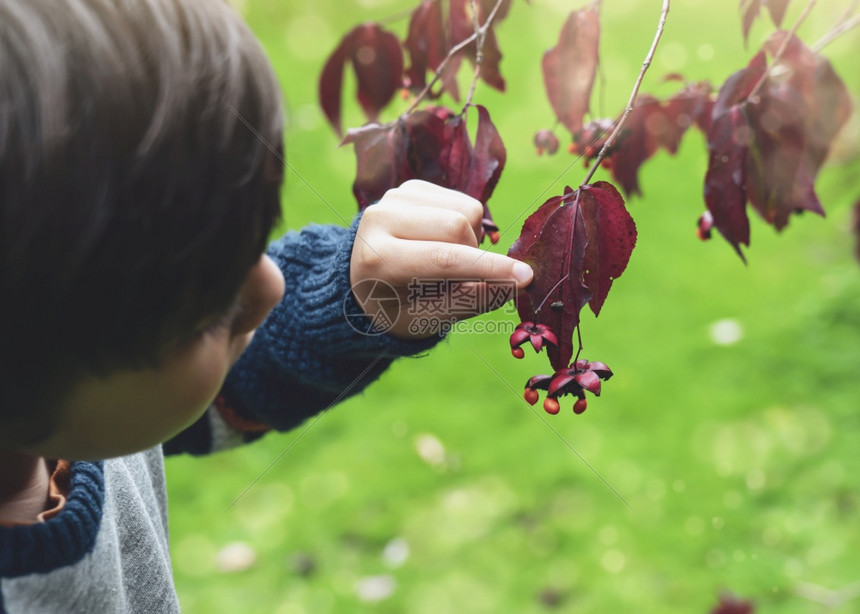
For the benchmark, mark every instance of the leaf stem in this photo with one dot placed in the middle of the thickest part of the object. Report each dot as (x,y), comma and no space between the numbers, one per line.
(617,130)
(839,29)
(548,294)
(579,340)
(778,55)
(482,31)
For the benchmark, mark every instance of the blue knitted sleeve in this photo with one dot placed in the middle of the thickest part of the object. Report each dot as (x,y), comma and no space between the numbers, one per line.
(307,356)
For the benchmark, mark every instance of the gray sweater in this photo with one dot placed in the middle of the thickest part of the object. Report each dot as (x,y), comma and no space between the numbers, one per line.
(107,550)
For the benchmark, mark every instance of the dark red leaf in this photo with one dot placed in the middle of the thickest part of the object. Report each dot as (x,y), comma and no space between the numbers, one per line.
(570,66)
(426,141)
(733,605)
(331,82)
(474,170)
(456,156)
(427,44)
(434,145)
(825,99)
(488,162)
(377,59)
(777,8)
(638,141)
(378,62)
(380,153)
(692,105)
(794,118)
(724,181)
(531,231)
(749,11)
(611,236)
(489,158)
(556,252)
(740,85)
(728,139)
(779,180)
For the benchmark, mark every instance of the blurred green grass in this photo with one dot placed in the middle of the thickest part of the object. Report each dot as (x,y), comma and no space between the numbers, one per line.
(702,468)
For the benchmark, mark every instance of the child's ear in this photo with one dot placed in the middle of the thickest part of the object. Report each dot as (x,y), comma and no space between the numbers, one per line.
(262,289)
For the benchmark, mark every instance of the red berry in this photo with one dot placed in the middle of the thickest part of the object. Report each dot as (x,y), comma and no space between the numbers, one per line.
(573,148)
(517,352)
(531,396)
(580,406)
(551,406)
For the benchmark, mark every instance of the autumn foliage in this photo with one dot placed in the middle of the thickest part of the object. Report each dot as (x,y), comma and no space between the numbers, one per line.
(768,130)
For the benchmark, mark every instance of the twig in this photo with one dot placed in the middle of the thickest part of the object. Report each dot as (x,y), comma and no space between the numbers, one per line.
(778,55)
(481,31)
(579,340)
(479,52)
(548,294)
(838,30)
(612,137)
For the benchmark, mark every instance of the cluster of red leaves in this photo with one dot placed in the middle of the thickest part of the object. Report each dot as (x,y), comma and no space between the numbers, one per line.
(431,37)
(751,8)
(569,70)
(377,56)
(434,145)
(771,129)
(766,146)
(577,244)
(652,124)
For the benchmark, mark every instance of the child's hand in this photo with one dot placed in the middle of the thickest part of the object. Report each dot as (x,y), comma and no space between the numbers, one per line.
(418,239)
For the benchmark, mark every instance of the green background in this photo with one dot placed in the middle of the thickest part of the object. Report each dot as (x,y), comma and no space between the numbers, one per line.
(703,468)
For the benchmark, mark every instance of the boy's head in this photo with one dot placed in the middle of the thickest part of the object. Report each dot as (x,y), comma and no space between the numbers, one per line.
(139,180)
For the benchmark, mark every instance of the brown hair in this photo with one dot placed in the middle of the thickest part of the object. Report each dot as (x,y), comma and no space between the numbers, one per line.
(139,180)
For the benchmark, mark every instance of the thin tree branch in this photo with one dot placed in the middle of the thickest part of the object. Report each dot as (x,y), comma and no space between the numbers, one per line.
(778,55)
(479,52)
(648,59)
(454,51)
(842,26)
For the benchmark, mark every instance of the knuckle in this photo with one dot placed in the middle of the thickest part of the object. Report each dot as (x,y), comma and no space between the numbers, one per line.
(369,257)
(444,257)
(474,210)
(459,227)
(411,184)
(370,216)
